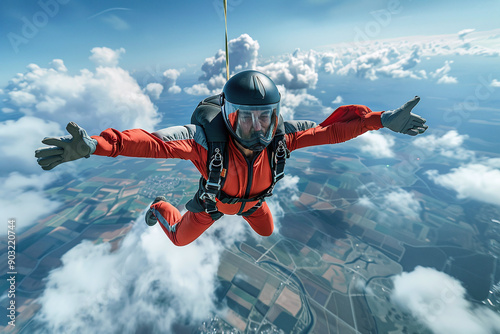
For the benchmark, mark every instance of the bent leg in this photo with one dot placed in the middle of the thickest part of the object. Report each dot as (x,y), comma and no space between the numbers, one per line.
(261,220)
(181,230)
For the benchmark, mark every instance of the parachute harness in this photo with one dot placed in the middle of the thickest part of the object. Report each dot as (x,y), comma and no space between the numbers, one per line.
(211,189)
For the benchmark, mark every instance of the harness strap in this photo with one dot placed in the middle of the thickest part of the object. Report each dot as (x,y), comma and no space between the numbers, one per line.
(211,188)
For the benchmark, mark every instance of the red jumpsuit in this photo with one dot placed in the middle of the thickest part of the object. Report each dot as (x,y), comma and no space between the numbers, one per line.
(246,179)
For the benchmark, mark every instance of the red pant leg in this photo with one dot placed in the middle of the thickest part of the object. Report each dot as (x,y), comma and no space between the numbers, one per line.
(261,220)
(181,230)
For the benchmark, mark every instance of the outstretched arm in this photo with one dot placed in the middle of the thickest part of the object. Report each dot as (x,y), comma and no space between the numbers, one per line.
(350,121)
(345,123)
(183,142)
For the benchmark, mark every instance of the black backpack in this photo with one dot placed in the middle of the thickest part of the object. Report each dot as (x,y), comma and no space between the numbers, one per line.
(208,115)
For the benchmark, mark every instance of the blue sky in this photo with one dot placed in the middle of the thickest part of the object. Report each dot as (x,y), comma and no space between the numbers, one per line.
(174,33)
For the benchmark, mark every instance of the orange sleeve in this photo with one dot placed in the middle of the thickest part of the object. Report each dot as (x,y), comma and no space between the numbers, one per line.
(353,121)
(140,143)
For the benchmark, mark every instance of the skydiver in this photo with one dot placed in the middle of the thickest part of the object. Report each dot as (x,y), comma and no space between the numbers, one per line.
(250,108)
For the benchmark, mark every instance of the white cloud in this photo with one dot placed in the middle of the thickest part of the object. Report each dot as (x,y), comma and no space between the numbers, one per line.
(20,139)
(154,90)
(169,81)
(296,71)
(465,32)
(216,83)
(20,192)
(24,180)
(363,64)
(448,145)
(338,100)
(329,62)
(175,90)
(213,66)
(438,301)
(58,65)
(360,285)
(288,186)
(446,79)
(397,58)
(198,89)
(492,162)
(243,52)
(402,68)
(105,56)
(376,144)
(374,60)
(366,202)
(277,213)
(392,206)
(21,98)
(148,283)
(478,181)
(291,100)
(441,74)
(400,57)
(50,98)
(495,83)
(403,204)
(108,97)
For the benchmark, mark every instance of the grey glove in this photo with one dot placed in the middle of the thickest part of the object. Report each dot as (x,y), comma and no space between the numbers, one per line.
(67,148)
(403,121)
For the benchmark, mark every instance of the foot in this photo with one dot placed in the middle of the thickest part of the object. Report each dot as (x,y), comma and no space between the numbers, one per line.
(150,217)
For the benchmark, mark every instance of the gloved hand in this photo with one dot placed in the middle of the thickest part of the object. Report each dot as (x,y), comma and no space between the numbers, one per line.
(403,121)
(67,148)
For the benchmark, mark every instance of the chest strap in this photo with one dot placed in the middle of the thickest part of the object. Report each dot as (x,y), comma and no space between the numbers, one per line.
(210,189)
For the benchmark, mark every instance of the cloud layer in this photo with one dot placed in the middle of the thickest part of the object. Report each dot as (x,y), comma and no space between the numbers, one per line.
(449,145)
(19,191)
(147,285)
(376,144)
(439,302)
(478,181)
(299,71)
(109,96)
(48,98)
(393,206)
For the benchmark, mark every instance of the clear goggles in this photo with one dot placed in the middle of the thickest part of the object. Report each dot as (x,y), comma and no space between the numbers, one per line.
(252,124)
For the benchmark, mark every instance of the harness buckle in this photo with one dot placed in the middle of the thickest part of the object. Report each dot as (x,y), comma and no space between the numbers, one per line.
(207,210)
(212,185)
(210,202)
(216,161)
(282,151)
(207,196)
(278,177)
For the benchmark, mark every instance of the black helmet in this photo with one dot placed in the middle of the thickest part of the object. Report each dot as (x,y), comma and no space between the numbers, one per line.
(250,106)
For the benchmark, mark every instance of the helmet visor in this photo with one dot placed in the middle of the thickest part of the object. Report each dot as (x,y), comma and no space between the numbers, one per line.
(253,126)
